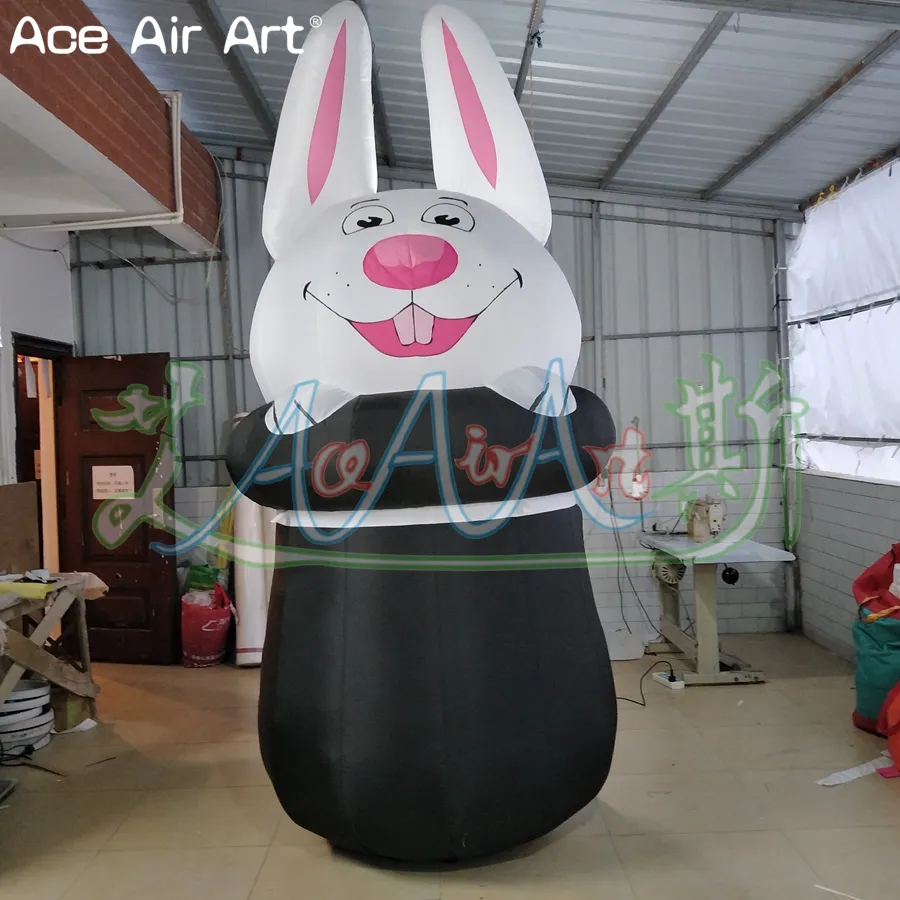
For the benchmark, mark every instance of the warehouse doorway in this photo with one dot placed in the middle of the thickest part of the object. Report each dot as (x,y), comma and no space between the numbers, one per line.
(35,415)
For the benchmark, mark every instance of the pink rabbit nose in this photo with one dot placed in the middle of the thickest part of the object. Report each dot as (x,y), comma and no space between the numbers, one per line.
(407,262)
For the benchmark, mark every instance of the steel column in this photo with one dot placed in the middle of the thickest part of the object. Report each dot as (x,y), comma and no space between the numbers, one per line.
(793,594)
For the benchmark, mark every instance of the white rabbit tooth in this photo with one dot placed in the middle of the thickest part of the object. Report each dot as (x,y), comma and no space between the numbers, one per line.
(424,322)
(405,325)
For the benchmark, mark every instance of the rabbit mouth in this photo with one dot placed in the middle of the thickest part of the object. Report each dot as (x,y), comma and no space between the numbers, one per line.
(414,331)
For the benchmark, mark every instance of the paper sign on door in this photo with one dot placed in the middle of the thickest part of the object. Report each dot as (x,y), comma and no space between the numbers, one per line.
(111,480)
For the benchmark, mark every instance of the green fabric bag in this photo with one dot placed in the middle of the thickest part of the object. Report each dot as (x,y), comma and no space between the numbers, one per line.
(205,577)
(877,663)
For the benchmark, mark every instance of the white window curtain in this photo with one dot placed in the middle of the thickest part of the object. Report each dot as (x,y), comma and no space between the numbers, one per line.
(843,280)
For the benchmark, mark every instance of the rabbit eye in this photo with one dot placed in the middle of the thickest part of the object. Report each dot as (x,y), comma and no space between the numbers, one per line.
(450,216)
(366,217)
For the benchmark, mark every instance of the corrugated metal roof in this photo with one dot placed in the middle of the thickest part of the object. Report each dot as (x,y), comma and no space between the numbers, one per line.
(211,102)
(859,123)
(759,72)
(272,69)
(600,69)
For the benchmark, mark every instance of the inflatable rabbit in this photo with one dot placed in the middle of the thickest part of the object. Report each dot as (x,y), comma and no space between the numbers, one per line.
(411,711)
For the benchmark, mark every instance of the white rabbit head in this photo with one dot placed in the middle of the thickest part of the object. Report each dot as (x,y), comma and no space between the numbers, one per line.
(371,290)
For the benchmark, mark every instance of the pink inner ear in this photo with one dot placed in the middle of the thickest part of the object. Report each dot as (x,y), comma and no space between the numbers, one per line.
(475,121)
(323,143)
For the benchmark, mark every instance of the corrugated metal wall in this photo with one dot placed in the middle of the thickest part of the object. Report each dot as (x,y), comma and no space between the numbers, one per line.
(656,290)
(673,287)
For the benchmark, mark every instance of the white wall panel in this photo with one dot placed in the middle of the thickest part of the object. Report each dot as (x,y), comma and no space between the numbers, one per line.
(35,300)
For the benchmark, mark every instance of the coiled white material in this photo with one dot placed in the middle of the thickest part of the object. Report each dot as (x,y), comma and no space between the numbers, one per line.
(252,581)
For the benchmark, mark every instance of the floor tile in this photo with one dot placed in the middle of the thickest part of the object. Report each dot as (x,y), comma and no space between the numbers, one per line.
(761,747)
(588,822)
(188,725)
(82,767)
(663,751)
(319,873)
(654,715)
(213,874)
(33,874)
(794,800)
(785,655)
(64,821)
(757,865)
(199,818)
(571,868)
(232,764)
(747,704)
(690,802)
(855,861)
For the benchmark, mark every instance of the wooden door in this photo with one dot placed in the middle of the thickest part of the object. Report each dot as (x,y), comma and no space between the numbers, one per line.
(138,620)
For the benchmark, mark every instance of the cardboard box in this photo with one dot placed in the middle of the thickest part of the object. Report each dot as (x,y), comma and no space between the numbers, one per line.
(20,546)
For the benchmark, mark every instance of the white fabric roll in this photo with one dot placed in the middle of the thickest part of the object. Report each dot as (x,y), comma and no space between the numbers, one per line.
(269,529)
(250,583)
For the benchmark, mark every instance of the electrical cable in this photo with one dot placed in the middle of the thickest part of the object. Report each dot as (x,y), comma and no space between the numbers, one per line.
(621,561)
(643,700)
(58,250)
(171,298)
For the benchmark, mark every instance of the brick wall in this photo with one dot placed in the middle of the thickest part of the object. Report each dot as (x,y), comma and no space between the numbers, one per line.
(110,103)
(846,525)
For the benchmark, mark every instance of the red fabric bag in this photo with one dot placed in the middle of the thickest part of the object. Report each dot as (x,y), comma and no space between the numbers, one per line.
(872,588)
(889,724)
(204,628)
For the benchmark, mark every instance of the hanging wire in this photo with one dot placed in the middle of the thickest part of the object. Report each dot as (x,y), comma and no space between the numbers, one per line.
(167,295)
(22,244)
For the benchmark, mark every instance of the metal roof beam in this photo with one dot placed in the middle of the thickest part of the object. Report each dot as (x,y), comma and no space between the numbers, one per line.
(783,130)
(713,30)
(866,12)
(382,129)
(534,27)
(237,67)
(560,190)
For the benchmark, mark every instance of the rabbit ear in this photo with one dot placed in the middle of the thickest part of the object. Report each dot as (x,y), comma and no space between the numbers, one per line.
(325,147)
(480,143)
